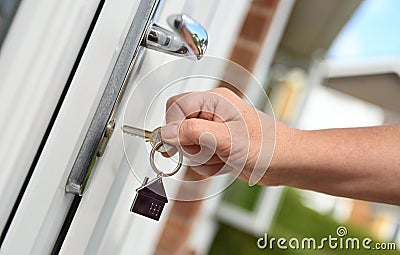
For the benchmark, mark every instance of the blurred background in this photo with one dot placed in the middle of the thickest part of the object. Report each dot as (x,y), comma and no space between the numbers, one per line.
(337,65)
(323,64)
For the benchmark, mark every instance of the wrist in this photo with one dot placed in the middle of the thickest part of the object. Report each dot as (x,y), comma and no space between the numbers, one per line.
(287,140)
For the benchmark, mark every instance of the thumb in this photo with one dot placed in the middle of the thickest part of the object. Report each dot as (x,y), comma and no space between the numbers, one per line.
(197,132)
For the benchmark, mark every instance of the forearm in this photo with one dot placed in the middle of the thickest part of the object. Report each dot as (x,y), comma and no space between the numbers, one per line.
(362,163)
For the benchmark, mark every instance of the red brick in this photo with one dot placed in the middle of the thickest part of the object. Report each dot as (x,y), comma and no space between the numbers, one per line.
(244,55)
(189,191)
(185,210)
(266,4)
(253,26)
(174,237)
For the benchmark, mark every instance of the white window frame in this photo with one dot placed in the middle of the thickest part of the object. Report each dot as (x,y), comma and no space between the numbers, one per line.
(35,62)
(44,204)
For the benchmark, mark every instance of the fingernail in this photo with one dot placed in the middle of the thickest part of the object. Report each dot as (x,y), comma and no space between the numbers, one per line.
(169,131)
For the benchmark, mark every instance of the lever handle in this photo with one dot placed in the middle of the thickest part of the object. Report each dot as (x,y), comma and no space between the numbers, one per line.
(188,38)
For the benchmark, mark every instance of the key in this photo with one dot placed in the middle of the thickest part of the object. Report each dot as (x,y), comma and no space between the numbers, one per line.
(154,137)
(151,198)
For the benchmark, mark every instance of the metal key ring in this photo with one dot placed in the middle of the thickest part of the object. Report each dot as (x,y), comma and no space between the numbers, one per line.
(153,164)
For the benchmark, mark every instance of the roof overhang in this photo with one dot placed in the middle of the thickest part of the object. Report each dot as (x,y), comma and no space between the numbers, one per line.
(313,25)
(375,81)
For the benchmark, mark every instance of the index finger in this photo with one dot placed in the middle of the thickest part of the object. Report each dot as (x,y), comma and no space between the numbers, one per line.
(203,105)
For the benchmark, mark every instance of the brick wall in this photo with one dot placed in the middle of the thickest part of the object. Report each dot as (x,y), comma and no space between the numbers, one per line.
(174,237)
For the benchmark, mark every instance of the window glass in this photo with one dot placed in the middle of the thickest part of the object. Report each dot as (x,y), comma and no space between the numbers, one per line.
(8,8)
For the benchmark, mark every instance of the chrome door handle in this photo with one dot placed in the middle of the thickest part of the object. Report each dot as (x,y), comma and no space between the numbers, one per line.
(188,37)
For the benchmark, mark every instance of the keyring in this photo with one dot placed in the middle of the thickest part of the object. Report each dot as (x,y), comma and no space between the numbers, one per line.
(153,164)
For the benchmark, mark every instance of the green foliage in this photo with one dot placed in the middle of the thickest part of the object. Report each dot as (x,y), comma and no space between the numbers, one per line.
(293,220)
(240,194)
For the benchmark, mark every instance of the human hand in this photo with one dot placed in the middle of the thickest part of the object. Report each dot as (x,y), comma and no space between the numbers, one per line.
(220,133)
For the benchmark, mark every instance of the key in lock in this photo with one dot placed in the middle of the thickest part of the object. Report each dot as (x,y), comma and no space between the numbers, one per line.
(154,137)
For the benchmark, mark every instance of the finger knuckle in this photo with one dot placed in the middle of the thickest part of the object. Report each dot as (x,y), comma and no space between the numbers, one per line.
(191,129)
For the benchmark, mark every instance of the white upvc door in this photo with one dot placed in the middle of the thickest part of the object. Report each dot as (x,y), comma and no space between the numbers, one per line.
(36,60)
(41,212)
(47,219)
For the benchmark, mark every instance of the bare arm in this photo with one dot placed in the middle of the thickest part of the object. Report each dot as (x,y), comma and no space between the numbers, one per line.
(362,163)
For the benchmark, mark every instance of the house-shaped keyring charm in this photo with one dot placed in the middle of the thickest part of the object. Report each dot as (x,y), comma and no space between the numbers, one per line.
(150,199)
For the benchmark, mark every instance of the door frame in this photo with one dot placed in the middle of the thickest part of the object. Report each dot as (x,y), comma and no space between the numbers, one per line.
(45,204)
